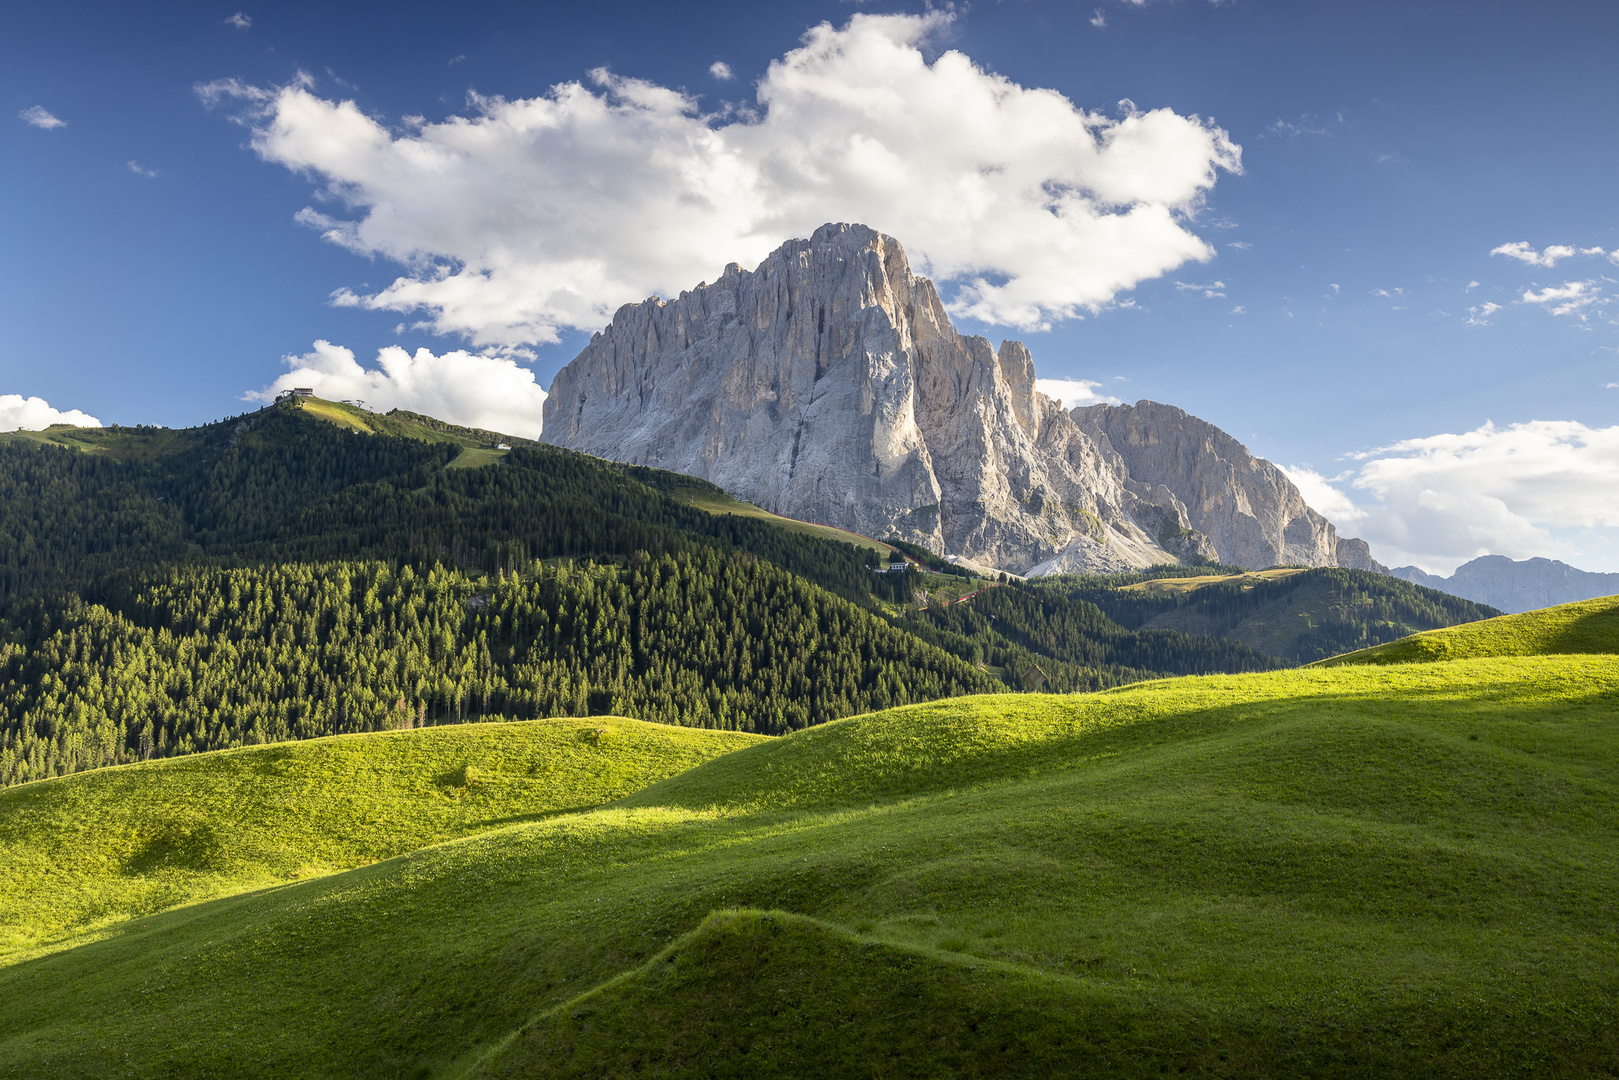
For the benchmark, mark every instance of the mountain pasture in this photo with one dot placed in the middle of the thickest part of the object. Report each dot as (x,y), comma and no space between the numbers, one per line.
(1362,870)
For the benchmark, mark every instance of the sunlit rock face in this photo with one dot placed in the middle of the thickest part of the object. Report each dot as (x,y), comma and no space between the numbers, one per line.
(829,385)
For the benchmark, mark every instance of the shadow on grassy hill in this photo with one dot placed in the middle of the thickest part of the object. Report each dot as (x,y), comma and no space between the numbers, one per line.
(762,994)
(1355,872)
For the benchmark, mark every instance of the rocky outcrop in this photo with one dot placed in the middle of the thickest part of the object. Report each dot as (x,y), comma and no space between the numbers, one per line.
(1515,586)
(829,385)
(1248,508)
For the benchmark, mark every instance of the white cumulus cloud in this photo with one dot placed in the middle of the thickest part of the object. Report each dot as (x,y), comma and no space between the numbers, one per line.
(529,216)
(40,117)
(1570,298)
(1074,392)
(1524,253)
(18,413)
(240,21)
(720,70)
(490,392)
(1540,488)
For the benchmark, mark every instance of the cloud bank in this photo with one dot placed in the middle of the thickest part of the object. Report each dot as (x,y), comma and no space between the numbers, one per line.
(478,391)
(18,413)
(1525,490)
(527,217)
(1074,392)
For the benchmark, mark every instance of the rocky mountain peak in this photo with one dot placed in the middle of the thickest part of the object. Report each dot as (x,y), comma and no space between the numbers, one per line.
(828,384)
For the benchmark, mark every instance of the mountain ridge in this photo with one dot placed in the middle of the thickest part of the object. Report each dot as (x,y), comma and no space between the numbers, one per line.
(829,385)
(1515,586)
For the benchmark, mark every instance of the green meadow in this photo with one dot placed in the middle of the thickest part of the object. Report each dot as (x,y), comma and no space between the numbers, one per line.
(1372,869)
(118,843)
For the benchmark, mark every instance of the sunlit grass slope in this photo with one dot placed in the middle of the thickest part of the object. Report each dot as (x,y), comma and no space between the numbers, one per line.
(97,847)
(1588,626)
(1357,871)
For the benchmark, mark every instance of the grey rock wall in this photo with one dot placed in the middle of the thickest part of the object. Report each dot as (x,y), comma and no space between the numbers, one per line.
(829,385)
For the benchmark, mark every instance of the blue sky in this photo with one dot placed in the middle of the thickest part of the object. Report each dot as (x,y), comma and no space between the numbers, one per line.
(1351,324)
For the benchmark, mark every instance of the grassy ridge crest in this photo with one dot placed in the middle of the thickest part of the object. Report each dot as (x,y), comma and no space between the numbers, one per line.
(1586,626)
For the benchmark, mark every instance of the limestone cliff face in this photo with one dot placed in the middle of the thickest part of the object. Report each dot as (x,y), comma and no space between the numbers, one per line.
(1246,506)
(829,385)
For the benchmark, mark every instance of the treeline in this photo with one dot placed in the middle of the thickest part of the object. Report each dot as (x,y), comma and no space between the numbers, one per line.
(1044,641)
(201,658)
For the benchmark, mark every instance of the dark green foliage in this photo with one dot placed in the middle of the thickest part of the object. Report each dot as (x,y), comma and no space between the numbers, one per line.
(1042,640)
(278,484)
(200,658)
(1331,610)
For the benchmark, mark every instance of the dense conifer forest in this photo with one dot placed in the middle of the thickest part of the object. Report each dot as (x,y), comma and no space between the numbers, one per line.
(291,574)
(201,658)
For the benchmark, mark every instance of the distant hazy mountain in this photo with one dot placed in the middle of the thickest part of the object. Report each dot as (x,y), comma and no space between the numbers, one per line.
(1516,586)
(829,385)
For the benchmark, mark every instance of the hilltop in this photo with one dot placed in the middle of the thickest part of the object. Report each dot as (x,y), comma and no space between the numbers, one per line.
(119,843)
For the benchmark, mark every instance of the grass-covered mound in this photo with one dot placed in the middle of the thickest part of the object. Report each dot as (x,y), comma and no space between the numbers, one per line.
(99,847)
(1343,872)
(1587,626)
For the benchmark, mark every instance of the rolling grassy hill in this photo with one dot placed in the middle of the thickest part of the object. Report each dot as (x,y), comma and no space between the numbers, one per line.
(1588,626)
(122,842)
(1350,871)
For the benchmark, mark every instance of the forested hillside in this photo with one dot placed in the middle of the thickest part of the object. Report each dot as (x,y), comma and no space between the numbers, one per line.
(313,569)
(1295,615)
(280,484)
(201,658)
(1040,640)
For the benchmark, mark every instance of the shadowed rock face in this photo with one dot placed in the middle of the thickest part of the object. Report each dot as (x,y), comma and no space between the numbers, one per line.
(1246,506)
(829,385)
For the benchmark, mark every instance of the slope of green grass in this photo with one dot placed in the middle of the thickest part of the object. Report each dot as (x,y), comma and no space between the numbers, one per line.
(1588,626)
(475,457)
(1343,872)
(718,502)
(92,849)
